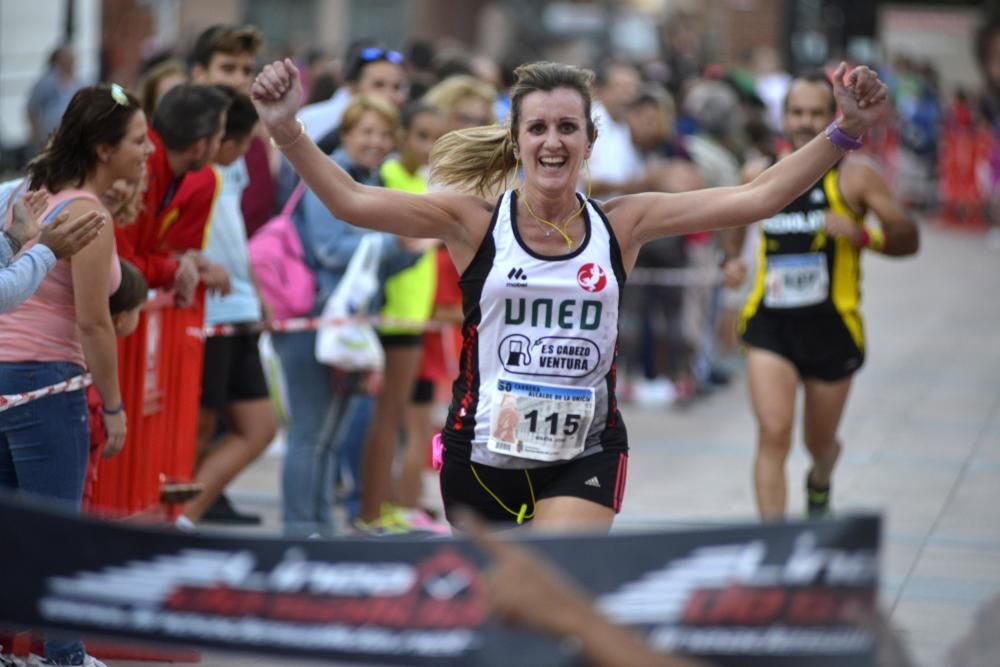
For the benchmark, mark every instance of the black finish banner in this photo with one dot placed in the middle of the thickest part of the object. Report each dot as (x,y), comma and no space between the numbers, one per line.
(750,595)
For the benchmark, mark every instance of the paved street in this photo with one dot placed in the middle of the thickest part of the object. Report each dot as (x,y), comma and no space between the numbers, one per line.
(921,434)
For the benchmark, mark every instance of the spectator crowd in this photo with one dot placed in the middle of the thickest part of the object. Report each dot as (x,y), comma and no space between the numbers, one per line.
(208,216)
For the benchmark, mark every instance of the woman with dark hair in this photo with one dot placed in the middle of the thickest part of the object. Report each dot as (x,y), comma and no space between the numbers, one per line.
(65,328)
(542,274)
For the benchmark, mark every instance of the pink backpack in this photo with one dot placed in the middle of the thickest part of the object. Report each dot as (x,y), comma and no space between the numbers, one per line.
(286,281)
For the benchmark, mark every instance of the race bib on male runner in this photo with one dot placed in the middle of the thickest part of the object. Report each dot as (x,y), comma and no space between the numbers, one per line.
(794,281)
(543,422)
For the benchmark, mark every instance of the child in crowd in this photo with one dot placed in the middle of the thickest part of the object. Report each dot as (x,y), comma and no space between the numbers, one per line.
(409,296)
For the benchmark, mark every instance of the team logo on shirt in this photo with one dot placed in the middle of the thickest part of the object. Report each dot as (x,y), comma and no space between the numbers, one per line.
(592,277)
(516,277)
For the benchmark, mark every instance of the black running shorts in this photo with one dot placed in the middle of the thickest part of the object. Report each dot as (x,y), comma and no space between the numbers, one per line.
(599,478)
(232,371)
(820,347)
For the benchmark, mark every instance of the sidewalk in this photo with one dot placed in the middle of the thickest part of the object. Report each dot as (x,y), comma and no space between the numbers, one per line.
(921,441)
(921,437)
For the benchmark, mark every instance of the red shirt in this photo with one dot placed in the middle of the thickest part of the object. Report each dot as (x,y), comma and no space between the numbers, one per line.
(434,361)
(258,197)
(98,438)
(185,222)
(164,205)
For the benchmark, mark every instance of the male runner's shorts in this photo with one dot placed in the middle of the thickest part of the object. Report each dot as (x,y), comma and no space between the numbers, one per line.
(599,478)
(820,347)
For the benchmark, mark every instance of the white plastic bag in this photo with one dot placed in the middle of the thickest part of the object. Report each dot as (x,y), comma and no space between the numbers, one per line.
(353,346)
(275,378)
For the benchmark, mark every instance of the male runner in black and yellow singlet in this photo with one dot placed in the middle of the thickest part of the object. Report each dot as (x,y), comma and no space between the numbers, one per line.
(801,322)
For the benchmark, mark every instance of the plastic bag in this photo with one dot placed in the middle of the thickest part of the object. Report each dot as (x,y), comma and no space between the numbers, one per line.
(353,345)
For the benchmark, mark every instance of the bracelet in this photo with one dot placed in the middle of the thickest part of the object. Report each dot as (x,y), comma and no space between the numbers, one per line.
(113,411)
(302,132)
(876,239)
(840,139)
(15,245)
(872,238)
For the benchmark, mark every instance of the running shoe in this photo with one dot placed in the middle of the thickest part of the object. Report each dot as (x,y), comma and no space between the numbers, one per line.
(88,661)
(222,511)
(399,521)
(817,499)
(10,660)
(420,521)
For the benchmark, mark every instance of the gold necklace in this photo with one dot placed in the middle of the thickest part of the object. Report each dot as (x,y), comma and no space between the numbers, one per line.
(559,228)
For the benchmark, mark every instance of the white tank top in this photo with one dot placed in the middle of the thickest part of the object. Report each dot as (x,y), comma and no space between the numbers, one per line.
(536,382)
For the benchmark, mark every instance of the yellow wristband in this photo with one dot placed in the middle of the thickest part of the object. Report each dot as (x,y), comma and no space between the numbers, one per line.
(876,239)
(302,133)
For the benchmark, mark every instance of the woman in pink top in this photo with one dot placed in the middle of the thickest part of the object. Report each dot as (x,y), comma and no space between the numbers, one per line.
(66,327)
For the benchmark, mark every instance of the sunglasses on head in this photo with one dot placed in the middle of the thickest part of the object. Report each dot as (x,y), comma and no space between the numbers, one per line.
(119,95)
(120,98)
(373,53)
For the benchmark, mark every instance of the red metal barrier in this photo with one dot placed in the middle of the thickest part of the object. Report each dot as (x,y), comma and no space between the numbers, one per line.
(964,151)
(159,369)
(882,144)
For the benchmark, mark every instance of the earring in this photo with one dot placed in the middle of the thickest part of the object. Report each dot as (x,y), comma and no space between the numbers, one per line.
(590,182)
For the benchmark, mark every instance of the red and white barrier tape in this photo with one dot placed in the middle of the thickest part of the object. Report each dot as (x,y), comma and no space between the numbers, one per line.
(8,401)
(295,324)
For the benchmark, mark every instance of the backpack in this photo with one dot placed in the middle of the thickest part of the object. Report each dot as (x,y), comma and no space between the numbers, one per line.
(278,259)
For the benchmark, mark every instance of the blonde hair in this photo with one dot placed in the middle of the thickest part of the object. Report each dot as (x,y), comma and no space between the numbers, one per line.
(480,159)
(151,82)
(448,94)
(362,104)
(131,207)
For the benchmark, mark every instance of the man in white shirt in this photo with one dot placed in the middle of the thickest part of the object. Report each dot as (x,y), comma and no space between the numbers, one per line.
(371,70)
(233,383)
(615,164)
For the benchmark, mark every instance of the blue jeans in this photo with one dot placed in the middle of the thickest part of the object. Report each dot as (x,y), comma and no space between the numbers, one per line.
(321,418)
(44,444)
(349,446)
(43,451)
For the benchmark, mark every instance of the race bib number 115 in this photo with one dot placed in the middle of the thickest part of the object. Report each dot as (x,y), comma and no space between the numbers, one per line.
(540,421)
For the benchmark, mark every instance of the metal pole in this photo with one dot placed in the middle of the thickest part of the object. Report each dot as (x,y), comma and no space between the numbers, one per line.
(69,20)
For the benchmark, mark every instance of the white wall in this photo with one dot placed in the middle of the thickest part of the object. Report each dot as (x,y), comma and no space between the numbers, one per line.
(28,33)
(942,35)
